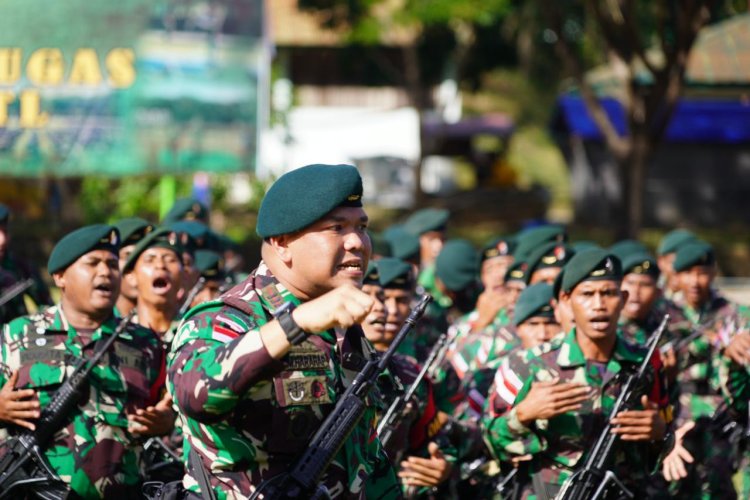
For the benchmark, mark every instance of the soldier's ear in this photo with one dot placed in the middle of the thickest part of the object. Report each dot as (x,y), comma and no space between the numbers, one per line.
(279,246)
(59,280)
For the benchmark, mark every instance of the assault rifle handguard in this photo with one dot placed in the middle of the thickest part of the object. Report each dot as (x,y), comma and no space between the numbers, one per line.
(396,410)
(303,479)
(23,467)
(592,480)
(14,291)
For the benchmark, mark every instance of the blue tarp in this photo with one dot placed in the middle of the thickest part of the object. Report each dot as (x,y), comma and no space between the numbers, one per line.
(711,121)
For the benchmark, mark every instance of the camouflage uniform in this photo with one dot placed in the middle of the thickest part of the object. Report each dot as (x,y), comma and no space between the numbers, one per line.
(557,445)
(700,395)
(638,332)
(736,390)
(94,453)
(250,416)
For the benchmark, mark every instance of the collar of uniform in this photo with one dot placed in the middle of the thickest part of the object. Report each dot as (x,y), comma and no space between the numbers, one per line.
(108,328)
(715,301)
(60,322)
(570,354)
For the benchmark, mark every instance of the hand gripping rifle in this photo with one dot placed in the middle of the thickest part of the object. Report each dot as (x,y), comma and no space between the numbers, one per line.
(396,412)
(13,291)
(24,470)
(594,479)
(302,481)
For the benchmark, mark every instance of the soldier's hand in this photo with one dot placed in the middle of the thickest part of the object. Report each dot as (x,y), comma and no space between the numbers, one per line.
(18,407)
(157,420)
(343,307)
(738,349)
(429,472)
(640,425)
(551,398)
(489,304)
(673,466)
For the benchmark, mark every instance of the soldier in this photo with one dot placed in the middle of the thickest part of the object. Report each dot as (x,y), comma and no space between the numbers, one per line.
(391,283)
(95,453)
(666,253)
(532,238)
(132,230)
(154,268)
(188,209)
(699,379)
(430,226)
(563,390)
(215,280)
(546,261)
(15,269)
(255,373)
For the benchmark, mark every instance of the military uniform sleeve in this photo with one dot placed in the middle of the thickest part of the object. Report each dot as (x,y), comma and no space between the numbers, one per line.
(215,359)
(504,434)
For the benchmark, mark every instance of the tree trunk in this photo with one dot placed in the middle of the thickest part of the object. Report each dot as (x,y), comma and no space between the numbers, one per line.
(633,168)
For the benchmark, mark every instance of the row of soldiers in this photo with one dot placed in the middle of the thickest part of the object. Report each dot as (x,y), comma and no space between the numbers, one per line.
(512,373)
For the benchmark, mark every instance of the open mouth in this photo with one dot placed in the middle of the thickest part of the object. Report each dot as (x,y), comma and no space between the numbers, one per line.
(600,323)
(105,288)
(354,266)
(161,285)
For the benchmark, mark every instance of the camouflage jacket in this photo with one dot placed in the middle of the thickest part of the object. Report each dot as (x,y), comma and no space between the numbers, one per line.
(558,444)
(637,332)
(699,378)
(250,416)
(94,453)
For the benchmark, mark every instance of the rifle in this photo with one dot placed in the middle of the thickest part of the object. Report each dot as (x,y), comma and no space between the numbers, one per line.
(592,481)
(396,412)
(191,295)
(302,481)
(23,468)
(679,345)
(15,290)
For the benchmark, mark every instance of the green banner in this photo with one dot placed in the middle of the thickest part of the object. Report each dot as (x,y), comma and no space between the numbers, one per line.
(123,87)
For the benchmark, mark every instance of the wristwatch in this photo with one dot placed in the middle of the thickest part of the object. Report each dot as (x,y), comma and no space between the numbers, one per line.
(294,334)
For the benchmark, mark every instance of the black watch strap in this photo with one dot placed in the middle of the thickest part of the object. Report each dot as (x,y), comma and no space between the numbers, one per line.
(294,334)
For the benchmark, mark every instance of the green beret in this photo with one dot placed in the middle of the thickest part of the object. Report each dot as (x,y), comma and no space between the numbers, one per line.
(426,220)
(594,264)
(530,239)
(372,277)
(535,300)
(457,265)
(583,245)
(380,245)
(694,253)
(548,255)
(673,240)
(4,213)
(395,273)
(623,248)
(498,247)
(80,242)
(162,237)
(640,263)
(199,236)
(132,230)
(186,209)
(517,271)
(210,264)
(303,196)
(404,245)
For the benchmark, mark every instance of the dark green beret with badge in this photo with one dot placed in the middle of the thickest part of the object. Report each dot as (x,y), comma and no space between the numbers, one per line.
(395,273)
(380,245)
(132,230)
(457,265)
(80,242)
(404,245)
(162,237)
(186,209)
(695,253)
(580,245)
(498,247)
(548,255)
(673,240)
(516,271)
(210,264)
(623,248)
(640,263)
(426,220)
(530,239)
(197,235)
(4,213)
(590,265)
(534,301)
(301,197)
